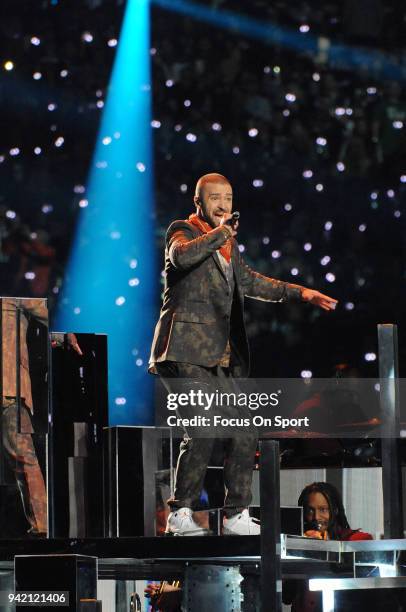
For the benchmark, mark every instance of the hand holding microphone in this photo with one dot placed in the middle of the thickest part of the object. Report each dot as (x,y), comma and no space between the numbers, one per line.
(231,221)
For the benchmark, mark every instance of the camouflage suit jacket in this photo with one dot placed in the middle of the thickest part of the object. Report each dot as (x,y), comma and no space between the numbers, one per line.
(36,308)
(195,322)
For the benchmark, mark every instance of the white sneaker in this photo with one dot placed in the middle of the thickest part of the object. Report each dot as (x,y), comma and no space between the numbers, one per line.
(181,523)
(241,524)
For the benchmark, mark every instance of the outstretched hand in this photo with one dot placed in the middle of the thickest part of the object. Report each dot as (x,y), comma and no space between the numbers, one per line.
(319,299)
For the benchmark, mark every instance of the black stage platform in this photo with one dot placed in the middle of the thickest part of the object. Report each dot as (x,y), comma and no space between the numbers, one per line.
(165,557)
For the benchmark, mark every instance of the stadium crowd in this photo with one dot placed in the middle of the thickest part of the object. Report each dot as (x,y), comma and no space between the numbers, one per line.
(315,150)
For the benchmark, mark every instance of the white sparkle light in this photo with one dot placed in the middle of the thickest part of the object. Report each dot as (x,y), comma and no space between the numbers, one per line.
(258,183)
(325,260)
(83,203)
(35,41)
(191,137)
(319,187)
(340,166)
(288,207)
(321,141)
(308,246)
(304,28)
(307,174)
(294,271)
(141,167)
(155,124)
(37,150)
(133,264)
(362,227)
(59,141)
(349,306)
(120,401)
(330,277)
(29,275)
(253,132)
(134,282)
(306,373)
(120,300)
(370,356)
(106,140)
(236,150)
(36,76)
(112,42)
(398,125)
(328,225)
(276,254)
(11,214)
(87,37)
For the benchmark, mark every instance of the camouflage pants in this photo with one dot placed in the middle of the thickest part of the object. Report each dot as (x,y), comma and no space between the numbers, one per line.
(195,452)
(20,452)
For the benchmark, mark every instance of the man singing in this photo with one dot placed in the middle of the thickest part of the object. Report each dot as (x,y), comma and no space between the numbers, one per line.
(201,335)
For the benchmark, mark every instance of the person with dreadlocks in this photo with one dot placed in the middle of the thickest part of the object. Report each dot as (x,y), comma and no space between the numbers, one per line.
(324,519)
(324,514)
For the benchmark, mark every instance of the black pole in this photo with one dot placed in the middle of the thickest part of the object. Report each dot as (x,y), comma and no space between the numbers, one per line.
(389,401)
(269,489)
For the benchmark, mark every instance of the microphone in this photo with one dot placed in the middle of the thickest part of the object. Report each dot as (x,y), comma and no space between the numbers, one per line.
(314,526)
(234,217)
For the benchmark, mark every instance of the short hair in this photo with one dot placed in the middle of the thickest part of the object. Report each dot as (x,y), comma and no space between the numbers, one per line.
(212,177)
(338,518)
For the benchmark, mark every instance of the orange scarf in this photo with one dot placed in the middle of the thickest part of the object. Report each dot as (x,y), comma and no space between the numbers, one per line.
(225,250)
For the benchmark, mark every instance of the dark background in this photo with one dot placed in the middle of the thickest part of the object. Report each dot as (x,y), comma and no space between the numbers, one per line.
(234,84)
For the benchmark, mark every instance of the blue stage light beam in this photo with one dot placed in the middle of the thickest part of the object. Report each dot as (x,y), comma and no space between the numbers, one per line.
(338,56)
(111,274)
